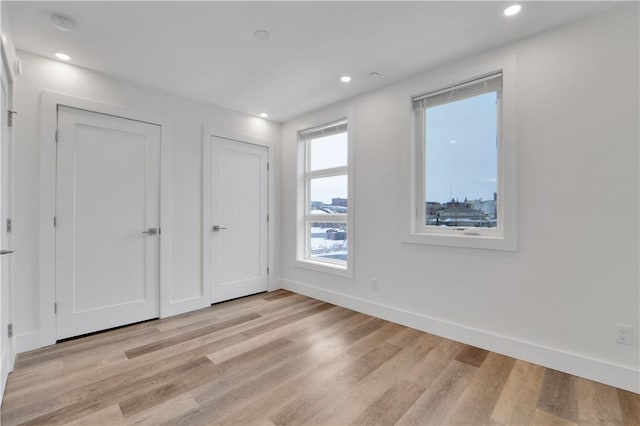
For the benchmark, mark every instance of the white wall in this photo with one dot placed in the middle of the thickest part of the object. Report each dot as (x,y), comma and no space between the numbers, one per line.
(556,300)
(186,118)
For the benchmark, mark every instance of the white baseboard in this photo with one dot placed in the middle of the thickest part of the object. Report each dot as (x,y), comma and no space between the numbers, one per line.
(30,341)
(578,365)
(275,284)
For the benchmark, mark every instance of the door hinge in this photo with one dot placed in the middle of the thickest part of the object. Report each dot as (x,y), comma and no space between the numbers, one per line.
(267,166)
(9,226)
(55,308)
(57,135)
(10,114)
(267,218)
(10,330)
(55,221)
(267,270)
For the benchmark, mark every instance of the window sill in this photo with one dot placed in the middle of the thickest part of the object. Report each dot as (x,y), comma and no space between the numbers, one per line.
(327,268)
(489,242)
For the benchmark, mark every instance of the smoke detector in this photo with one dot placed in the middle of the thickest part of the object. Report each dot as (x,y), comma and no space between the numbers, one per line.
(63,23)
(262,35)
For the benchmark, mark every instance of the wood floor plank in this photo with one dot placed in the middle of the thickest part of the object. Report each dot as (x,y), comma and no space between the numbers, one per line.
(81,346)
(288,320)
(324,357)
(256,410)
(135,369)
(519,399)
(440,398)
(387,409)
(630,407)
(308,404)
(427,369)
(179,384)
(110,416)
(245,366)
(597,403)
(283,358)
(406,337)
(544,418)
(558,395)
(472,356)
(77,386)
(86,406)
(354,400)
(481,395)
(160,413)
(212,410)
(374,339)
(277,326)
(281,352)
(160,344)
(426,342)
(303,329)
(363,330)
(279,296)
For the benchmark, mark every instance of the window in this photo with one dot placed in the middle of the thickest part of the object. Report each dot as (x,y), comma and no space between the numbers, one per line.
(324,193)
(460,166)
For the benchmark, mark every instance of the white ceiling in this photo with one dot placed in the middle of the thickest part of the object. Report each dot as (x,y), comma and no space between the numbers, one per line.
(206,50)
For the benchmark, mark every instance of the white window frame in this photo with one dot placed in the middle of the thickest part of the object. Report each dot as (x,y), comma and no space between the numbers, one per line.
(305,218)
(504,236)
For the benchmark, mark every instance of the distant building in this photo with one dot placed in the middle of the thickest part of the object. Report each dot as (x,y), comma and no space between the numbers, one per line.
(488,207)
(476,213)
(342,202)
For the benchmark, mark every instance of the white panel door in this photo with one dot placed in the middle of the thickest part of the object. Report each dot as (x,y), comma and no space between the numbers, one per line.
(6,343)
(239,217)
(107,222)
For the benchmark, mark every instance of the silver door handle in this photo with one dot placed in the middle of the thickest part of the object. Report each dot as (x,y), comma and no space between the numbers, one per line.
(152,231)
(6,252)
(217,227)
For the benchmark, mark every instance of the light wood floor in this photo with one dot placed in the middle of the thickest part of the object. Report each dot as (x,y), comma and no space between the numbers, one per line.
(281,358)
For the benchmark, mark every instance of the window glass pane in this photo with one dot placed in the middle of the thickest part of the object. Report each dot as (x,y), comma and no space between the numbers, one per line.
(461,165)
(328,241)
(328,195)
(329,151)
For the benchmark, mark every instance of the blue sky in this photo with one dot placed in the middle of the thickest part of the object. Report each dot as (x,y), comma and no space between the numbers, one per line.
(461,149)
(461,153)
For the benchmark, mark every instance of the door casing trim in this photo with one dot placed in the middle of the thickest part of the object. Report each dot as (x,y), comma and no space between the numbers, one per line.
(49,101)
(207,173)
(7,364)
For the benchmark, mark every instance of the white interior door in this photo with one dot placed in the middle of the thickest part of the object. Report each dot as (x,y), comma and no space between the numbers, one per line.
(107,221)
(6,258)
(239,216)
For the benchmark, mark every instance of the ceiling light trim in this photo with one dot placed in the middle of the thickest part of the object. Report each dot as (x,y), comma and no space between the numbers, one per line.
(63,23)
(512,10)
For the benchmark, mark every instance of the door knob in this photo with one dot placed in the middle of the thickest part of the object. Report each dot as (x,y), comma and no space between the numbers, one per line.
(151,231)
(217,227)
(6,252)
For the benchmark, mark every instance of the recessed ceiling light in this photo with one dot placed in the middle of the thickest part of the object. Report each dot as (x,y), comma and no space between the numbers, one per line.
(262,35)
(512,10)
(63,56)
(63,23)
(264,115)
(345,79)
